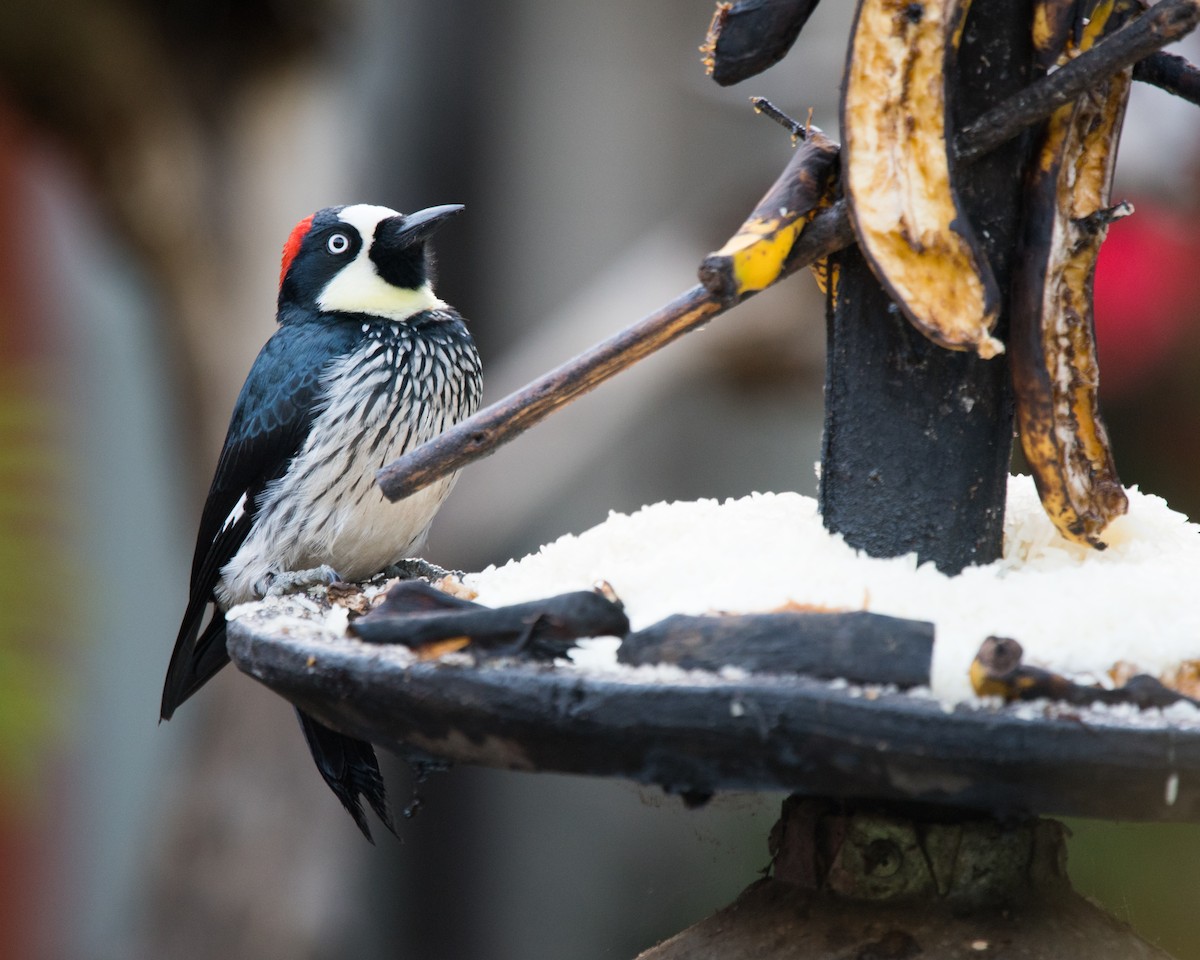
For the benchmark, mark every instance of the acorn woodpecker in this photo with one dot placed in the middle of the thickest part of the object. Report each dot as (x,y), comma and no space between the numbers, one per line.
(366,363)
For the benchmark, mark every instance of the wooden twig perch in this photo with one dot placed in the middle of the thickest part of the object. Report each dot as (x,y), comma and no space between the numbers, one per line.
(828,232)
(1171,73)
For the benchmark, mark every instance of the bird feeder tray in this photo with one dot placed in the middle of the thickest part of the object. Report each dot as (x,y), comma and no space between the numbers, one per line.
(696,732)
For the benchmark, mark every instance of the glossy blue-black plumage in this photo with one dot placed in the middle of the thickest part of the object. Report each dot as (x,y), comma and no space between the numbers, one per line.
(283,394)
(274,410)
(270,422)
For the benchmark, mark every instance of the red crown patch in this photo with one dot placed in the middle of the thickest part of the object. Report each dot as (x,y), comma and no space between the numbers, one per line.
(292,247)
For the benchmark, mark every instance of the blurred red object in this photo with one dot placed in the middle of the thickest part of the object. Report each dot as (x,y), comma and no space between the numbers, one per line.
(1147,294)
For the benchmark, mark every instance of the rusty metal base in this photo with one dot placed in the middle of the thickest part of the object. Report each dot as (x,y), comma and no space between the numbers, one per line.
(879,883)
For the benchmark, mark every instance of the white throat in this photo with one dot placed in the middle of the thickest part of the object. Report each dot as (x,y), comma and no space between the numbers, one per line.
(358,287)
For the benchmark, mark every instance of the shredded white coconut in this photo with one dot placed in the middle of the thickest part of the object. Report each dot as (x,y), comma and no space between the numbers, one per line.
(1074,609)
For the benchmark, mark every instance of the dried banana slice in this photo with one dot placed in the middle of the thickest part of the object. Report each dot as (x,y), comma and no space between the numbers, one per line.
(1052,341)
(898,177)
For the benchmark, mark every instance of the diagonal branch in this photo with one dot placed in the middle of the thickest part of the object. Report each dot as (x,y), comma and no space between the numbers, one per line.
(507,419)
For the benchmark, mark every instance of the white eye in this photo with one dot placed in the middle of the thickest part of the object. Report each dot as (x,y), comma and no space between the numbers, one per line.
(337,243)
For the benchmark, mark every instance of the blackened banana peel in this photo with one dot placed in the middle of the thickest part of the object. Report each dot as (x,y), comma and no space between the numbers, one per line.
(747,37)
(755,256)
(1052,339)
(898,174)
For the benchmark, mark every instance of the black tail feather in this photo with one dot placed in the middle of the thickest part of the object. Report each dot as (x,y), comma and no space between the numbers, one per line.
(351,770)
(199,655)
(195,661)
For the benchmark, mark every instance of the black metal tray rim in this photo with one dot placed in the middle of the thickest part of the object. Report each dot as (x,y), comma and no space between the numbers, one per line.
(316,633)
(699,732)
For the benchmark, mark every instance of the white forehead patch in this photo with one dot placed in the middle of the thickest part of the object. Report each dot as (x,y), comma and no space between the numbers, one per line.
(358,287)
(364,217)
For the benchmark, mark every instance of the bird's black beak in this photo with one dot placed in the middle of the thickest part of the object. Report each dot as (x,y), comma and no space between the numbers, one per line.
(399,250)
(416,227)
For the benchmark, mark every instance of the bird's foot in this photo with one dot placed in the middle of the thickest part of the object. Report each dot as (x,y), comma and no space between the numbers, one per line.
(277,583)
(414,568)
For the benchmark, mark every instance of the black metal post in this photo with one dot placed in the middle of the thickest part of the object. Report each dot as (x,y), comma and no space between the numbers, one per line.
(918,438)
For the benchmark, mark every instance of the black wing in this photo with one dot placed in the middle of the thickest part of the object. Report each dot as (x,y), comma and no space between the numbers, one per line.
(273,415)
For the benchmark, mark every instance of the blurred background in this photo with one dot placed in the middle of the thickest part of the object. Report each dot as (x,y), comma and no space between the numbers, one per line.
(153,157)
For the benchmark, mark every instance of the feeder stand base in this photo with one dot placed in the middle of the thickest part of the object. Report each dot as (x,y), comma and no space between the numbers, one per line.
(871,882)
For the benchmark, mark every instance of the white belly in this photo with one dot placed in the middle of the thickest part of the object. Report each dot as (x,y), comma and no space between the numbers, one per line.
(327,509)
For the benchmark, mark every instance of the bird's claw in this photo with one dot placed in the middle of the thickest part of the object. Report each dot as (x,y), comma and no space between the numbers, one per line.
(278,583)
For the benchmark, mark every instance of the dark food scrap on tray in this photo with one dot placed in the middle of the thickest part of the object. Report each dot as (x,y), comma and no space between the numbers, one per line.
(997,671)
(420,616)
(856,646)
